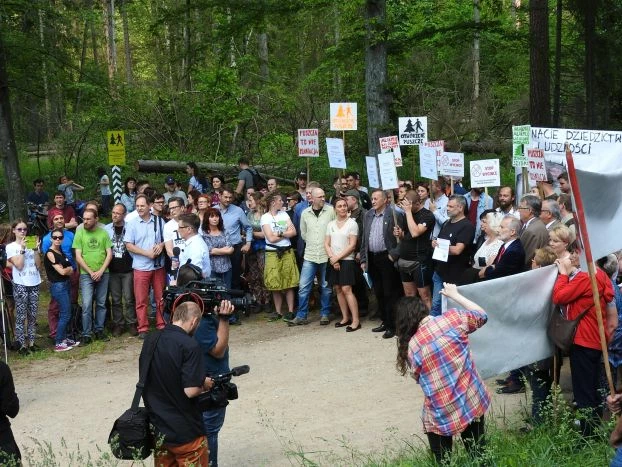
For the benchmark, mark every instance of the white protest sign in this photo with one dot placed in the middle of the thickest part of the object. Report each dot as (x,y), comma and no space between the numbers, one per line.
(336,153)
(413,130)
(440,148)
(308,143)
(388,172)
(520,140)
(587,142)
(391,144)
(485,173)
(342,116)
(452,164)
(372,172)
(536,166)
(427,162)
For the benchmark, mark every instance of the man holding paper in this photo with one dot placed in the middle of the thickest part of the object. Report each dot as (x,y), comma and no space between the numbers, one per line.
(451,249)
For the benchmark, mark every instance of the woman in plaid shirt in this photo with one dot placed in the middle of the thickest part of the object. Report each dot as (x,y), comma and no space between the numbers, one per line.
(436,351)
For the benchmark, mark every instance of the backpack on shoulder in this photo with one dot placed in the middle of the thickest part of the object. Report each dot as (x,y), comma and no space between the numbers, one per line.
(258,181)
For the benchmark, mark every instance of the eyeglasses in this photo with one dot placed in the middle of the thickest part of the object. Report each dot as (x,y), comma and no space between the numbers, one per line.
(183,227)
(22,229)
(522,207)
(173,207)
(56,237)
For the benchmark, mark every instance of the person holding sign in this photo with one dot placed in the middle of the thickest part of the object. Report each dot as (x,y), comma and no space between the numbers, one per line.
(438,205)
(379,249)
(455,237)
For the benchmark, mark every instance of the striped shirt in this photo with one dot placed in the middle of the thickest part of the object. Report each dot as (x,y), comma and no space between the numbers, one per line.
(440,360)
(376,234)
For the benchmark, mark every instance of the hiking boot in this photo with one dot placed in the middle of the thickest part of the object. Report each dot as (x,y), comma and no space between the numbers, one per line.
(117,331)
(62,347)
(101,336)
(298,321)
(324,320)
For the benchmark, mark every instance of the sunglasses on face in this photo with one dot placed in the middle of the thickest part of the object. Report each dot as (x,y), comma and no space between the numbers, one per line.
(57,237)
(21,229)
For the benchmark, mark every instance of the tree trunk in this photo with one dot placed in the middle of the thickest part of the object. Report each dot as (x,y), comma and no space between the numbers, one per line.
(337,34)
(129,75)
(262,45)
(376,93)
(186,59)
(8,150)
(111,48)
(476,20)
(558,64)
(44,75)
(89,5)
(589,26)
(85,37)
(539,75)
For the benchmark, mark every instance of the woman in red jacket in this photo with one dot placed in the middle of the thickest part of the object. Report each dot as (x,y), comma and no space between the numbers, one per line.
(573,292)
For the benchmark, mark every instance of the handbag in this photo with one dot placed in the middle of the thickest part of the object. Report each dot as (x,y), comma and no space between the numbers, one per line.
(561,330)
(131,437)
(407,266)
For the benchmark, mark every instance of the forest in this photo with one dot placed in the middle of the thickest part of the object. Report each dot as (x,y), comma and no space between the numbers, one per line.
(213,80)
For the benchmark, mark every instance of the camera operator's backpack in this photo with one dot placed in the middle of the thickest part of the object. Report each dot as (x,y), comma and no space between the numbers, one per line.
(258,181)
(131,437)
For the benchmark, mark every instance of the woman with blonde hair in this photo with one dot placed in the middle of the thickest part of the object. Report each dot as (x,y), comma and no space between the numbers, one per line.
(560,237)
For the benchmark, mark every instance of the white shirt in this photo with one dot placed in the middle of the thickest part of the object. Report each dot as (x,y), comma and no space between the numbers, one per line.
(340,236)
(171,233)
(195,250)
(29,275)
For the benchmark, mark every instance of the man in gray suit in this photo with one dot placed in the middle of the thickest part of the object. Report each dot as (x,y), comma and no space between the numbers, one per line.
(378,252)
(533,234)
(550,214)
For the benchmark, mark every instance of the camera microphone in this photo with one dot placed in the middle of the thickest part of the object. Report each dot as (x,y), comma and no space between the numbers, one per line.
(240,370)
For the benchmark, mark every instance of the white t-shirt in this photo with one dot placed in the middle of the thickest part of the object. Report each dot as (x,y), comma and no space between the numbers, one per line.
(29,275)
(339,236)
(196,251)
(171,233)
(277,224)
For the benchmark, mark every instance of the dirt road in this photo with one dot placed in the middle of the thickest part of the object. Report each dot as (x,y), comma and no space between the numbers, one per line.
(332,396)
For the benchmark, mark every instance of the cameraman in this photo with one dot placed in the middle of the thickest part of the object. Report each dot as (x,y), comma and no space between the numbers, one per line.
(213,337)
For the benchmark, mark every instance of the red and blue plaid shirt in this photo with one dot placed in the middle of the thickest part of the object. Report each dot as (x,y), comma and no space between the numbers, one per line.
(440,361)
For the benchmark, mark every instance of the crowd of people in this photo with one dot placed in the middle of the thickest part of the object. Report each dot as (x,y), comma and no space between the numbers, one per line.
(415,242)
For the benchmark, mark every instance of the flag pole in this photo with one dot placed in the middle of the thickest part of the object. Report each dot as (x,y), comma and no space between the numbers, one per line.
(580,217)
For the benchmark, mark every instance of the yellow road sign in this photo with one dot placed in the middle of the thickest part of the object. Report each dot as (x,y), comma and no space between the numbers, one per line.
(115,140)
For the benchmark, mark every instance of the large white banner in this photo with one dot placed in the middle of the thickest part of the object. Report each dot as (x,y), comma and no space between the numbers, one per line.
(582,142)
(518,309)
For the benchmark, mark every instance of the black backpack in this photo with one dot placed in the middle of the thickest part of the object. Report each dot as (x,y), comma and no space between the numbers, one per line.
(258,181)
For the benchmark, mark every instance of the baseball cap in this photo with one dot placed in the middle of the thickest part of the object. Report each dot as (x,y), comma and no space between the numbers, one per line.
(170,180)
(302,174)
(354,193)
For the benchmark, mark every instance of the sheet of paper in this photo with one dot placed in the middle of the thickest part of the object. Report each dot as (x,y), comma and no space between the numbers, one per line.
(441,252)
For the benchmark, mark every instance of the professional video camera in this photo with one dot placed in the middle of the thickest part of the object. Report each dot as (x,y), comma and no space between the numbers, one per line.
(223,390)
(209,292)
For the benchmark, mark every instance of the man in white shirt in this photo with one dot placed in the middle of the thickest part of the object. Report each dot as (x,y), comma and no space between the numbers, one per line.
(195,249)
(172,236)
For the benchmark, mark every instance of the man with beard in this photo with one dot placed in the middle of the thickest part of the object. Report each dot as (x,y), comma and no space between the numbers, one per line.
(505,202)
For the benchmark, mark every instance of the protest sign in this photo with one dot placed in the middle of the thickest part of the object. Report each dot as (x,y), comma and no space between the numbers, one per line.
(308,143)
(427,162)
(372,172)
(388,172)
(520,140)
(582,142)
(452,164)
(485,173)
(391,144)
(440,148)
(536,166)
(336,153)
(342,116)
(413,130)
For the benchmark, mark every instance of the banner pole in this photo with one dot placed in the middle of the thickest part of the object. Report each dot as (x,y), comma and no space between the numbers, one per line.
(451,179)
(393,211)
(580,217)
(309,171)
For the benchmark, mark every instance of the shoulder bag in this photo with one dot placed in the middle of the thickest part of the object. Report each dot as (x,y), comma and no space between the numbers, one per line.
(561,330)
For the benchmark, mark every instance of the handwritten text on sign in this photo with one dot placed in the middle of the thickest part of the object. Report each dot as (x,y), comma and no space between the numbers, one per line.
(308,143)
(536,166)
(485,173)
(391,144)
(452,164)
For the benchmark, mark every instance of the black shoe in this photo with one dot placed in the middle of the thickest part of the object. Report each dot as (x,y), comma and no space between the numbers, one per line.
(23,351)
(381,328)
(101,336)
(86,340)
(512,388)
(35,348)
(339,324)
(351,329)
(388,334)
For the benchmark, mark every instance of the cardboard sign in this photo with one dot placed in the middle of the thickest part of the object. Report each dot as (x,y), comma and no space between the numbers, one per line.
(452,164)
(413,130)
(520,139)
(536,166)
(372,172)
(388,172)
(308,143)
(485,173)
(336,153)
(115,141)
(391,144)
(342,116)
(427,162)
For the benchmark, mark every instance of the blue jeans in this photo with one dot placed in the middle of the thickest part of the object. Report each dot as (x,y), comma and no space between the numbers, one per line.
(212,423)
(307,274)
(437,283)
(617,460)
(89,289)
(60,292)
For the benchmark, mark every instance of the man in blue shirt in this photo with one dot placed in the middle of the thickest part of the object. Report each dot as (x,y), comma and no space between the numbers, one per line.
(38,196)
(235,221)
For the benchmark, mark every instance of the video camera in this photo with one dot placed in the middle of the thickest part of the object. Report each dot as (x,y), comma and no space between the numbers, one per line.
(210,291)
(223,390)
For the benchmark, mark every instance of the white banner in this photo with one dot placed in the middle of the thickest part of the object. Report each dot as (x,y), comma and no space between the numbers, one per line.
(336,153)
(452,164)
(372,172)
(485,173)
(308,143)
(515,334)
(413,130)
(388,172)
(582,142)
